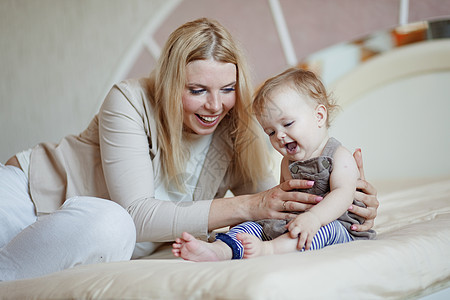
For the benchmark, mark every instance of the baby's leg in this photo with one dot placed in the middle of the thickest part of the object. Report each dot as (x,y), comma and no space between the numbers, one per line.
(330,234)
(190,248)
(230,238)
(254,247)
(226,246)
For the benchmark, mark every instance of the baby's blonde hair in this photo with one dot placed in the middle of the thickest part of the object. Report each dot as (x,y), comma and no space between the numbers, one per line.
(304,81)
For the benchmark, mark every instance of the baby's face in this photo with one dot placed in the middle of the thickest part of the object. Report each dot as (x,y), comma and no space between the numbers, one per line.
(295,124)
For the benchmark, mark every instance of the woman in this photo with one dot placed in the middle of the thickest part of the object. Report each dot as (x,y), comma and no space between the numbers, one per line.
(157,147)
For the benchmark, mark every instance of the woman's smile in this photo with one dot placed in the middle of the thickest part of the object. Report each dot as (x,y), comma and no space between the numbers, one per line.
(208,120)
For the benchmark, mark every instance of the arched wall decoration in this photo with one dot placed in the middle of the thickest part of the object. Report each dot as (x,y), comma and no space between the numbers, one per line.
(144,41)
(146,45)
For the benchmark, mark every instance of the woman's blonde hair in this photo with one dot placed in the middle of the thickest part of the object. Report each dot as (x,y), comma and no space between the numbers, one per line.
(203,39)
(304,81)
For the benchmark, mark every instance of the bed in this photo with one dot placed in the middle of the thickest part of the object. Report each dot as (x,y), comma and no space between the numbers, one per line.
(408,260)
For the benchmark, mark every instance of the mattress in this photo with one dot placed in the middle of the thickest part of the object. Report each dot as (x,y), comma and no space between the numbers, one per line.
(409,259)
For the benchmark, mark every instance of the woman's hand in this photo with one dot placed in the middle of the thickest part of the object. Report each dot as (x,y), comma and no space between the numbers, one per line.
(367,194)
(281,201)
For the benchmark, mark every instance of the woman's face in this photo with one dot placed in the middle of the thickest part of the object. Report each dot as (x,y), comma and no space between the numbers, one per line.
(209,94)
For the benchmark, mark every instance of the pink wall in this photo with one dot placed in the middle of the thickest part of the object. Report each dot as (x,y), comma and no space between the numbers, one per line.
(312,25)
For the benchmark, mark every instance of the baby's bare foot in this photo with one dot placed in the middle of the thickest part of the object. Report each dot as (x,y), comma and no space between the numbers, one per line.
(253,246)
(190,248)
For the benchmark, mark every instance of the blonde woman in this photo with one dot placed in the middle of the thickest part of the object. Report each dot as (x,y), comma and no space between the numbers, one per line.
(165,149)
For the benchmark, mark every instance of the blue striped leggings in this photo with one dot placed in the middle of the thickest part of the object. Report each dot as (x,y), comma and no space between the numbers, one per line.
(330,234)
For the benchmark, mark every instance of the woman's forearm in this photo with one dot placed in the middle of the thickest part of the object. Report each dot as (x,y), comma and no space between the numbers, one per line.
(231,211)
(164,221)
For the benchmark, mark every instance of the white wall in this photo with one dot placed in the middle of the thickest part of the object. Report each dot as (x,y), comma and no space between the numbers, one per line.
(58,60)
(395,107)
(403,128)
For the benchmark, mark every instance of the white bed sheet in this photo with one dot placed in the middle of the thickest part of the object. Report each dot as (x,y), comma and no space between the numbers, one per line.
(409,259)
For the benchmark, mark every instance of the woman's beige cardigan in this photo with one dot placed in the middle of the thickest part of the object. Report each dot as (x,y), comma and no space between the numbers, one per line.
(113,159)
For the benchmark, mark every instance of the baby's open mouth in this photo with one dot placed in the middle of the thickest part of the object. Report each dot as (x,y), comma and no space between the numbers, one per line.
(290,147)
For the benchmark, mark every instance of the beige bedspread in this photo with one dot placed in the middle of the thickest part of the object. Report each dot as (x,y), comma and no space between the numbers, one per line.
(410,258)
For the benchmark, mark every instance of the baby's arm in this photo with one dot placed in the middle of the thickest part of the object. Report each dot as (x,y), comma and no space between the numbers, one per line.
(342,189)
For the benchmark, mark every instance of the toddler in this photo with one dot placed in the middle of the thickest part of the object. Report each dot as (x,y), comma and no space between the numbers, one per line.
(293,108)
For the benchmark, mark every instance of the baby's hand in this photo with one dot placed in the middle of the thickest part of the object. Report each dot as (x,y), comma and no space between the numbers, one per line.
(304,227)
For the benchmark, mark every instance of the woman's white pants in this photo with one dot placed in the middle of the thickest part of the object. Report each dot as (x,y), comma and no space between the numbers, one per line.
(85,230)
